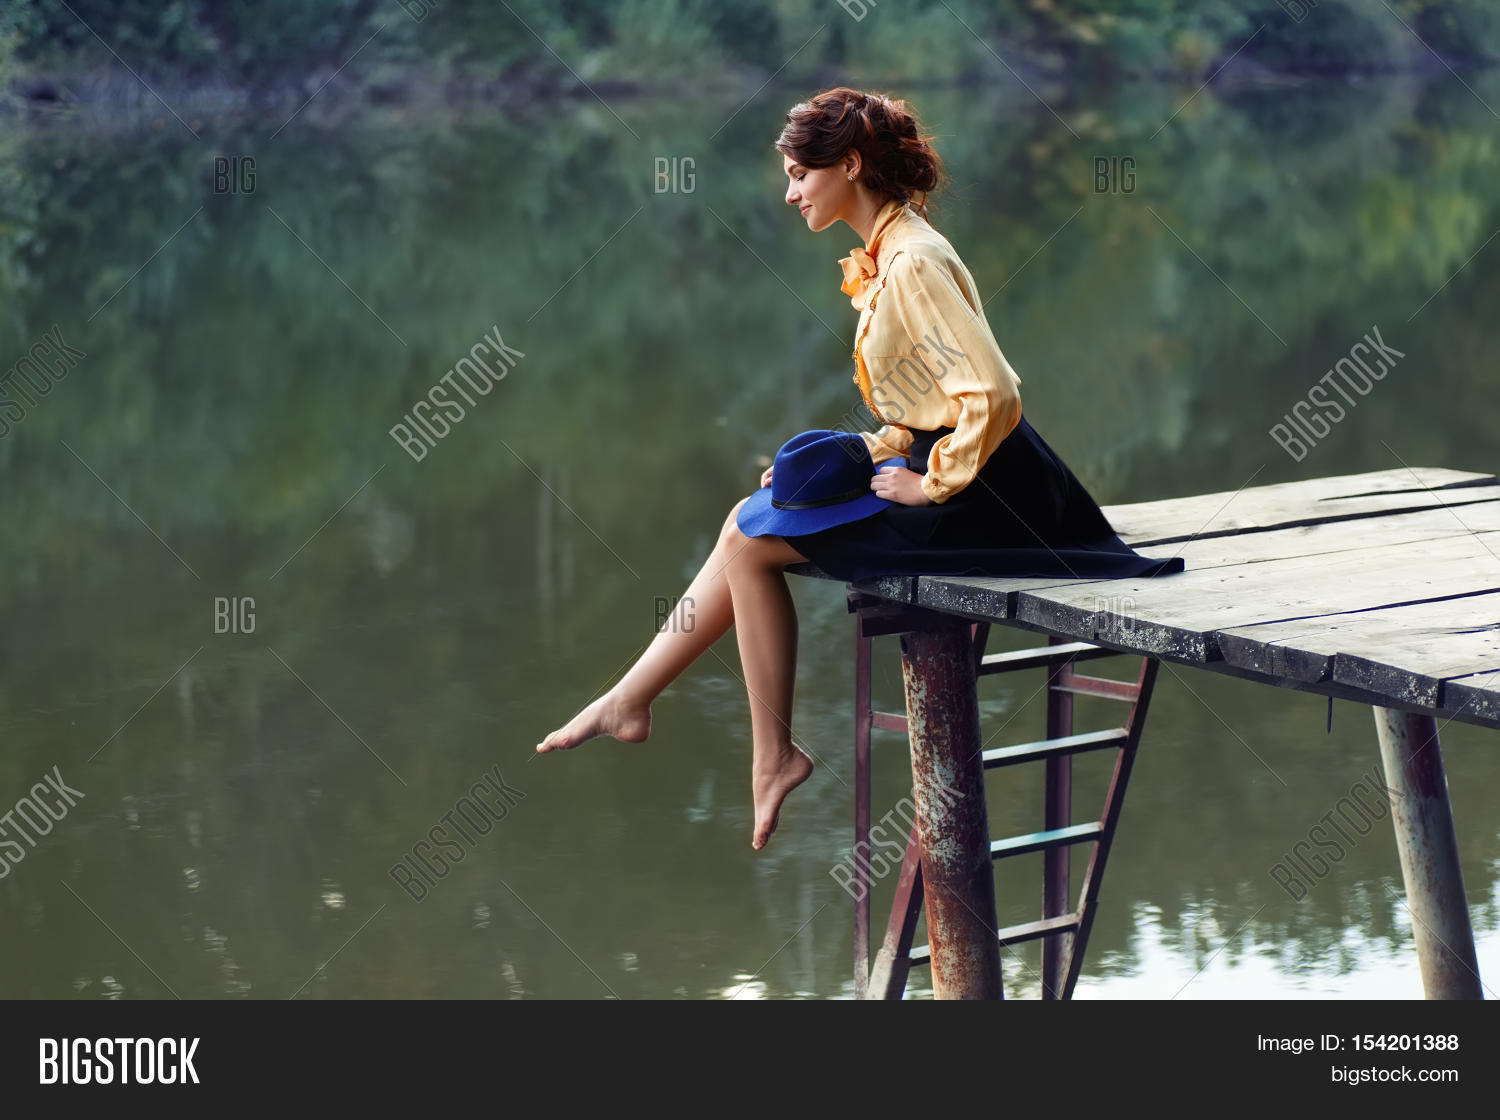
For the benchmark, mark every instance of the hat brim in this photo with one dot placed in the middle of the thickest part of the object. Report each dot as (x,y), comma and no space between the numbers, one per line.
(759,518)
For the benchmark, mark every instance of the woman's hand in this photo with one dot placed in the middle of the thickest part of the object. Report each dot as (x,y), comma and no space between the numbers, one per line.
(765,479)
(902,486)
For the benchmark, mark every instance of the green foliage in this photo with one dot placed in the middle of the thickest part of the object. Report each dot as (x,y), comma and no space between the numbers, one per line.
(140,29)
(674,43)
(1466,29)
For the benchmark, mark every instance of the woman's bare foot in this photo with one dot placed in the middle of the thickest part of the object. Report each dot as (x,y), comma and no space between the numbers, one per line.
(770,787)
(608,715)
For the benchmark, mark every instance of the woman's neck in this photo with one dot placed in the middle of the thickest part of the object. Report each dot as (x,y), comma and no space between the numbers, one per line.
(863,223)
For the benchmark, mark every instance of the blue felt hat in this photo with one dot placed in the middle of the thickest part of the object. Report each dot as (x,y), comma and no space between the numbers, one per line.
(820,479)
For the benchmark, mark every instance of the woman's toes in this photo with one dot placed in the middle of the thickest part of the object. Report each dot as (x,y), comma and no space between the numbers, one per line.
(605,716)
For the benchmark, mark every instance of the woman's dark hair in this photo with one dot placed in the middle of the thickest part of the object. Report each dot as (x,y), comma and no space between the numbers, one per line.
(897,161)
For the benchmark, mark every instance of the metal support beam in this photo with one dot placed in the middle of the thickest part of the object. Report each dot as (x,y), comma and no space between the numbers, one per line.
(862,726)
(1425,837)
(893,961)
(1114,802)
(942,707)
(1057,813)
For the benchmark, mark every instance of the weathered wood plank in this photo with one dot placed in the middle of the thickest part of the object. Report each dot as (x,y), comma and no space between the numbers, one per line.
(1280,505)
(976,597)
(1483,710)
(1195,600)
(1177,616)
(1405,652)
(1380,527)
(1474,698)
(993,597)
(1340,536)
(1275,544)
(1417,677)
(1363,586)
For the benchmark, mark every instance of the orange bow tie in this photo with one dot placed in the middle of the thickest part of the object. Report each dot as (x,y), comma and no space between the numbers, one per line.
(859,269)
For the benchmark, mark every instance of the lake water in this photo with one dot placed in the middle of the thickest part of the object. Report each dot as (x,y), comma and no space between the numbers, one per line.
(272,649)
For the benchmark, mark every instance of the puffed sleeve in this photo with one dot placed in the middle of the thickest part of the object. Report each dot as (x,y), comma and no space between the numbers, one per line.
(952,339)
(890,442)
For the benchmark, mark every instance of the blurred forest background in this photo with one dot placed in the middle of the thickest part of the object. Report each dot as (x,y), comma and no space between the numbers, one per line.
(256,49)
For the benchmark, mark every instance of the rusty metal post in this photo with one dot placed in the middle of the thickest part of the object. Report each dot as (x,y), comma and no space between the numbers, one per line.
(1425,837)
(1057,813)
(942,709)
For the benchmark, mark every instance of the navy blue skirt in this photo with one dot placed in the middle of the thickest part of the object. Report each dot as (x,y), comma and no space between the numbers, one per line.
(1025,514)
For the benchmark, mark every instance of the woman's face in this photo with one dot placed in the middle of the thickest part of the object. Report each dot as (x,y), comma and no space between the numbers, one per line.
(821,194)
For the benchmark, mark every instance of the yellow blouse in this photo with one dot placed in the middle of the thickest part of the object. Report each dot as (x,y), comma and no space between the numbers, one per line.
(928,359)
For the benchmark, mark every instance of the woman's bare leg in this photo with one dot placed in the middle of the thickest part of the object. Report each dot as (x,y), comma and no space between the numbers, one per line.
(702,616)
(766,626)
(742,583)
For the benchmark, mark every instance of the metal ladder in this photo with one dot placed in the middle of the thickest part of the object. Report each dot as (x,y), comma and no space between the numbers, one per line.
(1064,928)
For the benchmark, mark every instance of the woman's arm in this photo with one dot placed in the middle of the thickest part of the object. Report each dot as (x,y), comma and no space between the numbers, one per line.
(943,366)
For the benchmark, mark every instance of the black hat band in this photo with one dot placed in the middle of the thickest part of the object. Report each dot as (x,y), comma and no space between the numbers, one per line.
(817,503)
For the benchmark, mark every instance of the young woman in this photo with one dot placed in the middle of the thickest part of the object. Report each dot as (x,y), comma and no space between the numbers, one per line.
(964,485)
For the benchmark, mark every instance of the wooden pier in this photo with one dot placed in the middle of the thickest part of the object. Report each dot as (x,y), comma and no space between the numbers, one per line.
(1380,588)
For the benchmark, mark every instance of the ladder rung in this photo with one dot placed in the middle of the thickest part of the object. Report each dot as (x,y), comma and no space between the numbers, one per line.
(1013,935)
(1102,687)
(1055,748)
(1042,841)
(1042,656)
(1046,927)
(888,721)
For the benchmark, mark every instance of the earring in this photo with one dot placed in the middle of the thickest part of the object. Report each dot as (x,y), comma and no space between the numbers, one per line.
(851,178)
